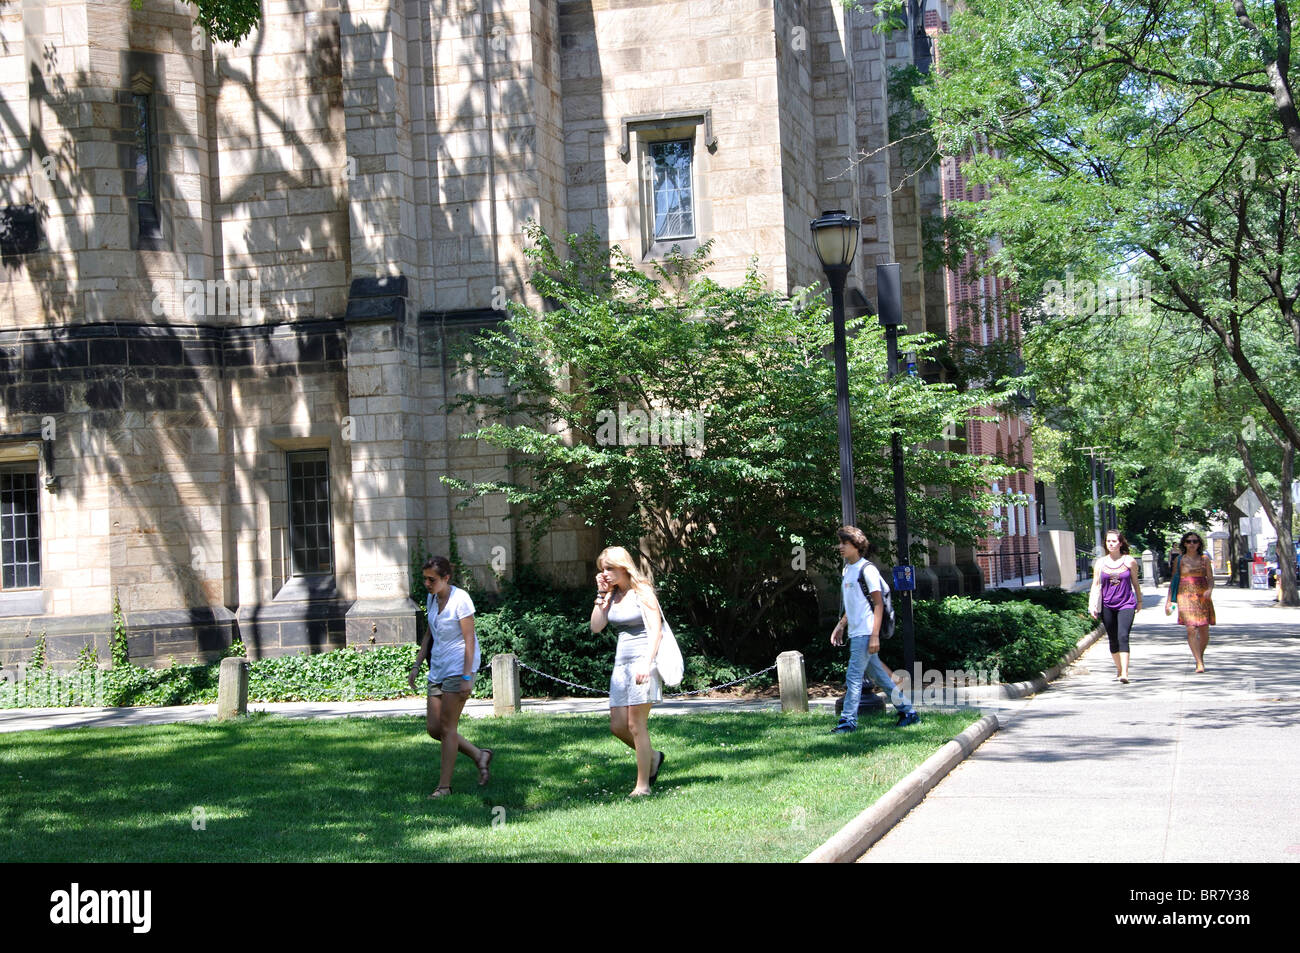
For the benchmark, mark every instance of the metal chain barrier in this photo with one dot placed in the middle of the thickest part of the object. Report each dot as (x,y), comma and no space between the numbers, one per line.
(701,691)
(602,691)
(585,688)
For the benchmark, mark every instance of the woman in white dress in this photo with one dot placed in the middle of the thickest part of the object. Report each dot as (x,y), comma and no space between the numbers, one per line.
(625,600)
(453,653)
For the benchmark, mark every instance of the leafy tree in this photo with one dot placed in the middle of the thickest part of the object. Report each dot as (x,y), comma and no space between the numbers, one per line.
(1174,420)
(1150,141)
(733,507)
(1216,47)
(1098,155)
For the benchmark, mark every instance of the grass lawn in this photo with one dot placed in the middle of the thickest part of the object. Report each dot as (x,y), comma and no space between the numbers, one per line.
(751,786)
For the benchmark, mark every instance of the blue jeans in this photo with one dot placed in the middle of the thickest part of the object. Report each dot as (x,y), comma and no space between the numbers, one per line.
(861,663)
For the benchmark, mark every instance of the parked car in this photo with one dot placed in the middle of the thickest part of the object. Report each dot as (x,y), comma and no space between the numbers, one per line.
(1270,558)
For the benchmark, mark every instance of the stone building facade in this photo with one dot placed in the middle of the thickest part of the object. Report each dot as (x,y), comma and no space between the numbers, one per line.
(239,280)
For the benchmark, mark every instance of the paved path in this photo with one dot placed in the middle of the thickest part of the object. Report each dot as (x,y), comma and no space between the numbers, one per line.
(1172,767)
(32,719)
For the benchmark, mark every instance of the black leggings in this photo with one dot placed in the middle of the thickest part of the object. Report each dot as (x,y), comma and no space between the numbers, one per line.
(1117,623)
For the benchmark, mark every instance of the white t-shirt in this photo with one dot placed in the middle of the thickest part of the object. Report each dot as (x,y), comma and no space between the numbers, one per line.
(858,608)
(447,656)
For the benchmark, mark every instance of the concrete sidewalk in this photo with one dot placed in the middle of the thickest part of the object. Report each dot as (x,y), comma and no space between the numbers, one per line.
(1172,767)
(34,719)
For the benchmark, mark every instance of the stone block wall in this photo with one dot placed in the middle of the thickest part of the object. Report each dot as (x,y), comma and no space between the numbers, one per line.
(248,159)
(70,124)
(286,166)
(645,57)
(168,448)
(794,23)
(488,145)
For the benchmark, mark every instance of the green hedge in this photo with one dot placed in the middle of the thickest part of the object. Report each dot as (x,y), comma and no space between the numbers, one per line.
(1017,633)
(1049,597)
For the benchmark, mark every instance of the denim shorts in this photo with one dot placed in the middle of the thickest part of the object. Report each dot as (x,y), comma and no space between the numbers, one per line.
(452,684)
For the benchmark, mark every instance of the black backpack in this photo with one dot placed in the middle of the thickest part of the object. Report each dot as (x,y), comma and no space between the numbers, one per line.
(886,596)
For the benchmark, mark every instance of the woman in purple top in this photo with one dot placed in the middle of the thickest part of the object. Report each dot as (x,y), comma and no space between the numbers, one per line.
(1115,597)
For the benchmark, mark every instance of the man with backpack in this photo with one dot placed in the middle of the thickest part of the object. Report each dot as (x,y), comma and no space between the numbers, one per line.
(868,616)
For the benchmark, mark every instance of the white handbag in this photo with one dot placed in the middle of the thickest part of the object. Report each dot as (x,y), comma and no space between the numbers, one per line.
(669,661)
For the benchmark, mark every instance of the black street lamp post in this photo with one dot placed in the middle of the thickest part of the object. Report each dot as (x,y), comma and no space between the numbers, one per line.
(835,236)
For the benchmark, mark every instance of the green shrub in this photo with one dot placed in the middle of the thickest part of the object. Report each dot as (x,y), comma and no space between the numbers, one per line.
(46,688)
(550,638)
(87,658)
(1049,597)
(1016,637)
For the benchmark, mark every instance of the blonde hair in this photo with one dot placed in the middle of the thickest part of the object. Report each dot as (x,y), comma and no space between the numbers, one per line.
(620,558)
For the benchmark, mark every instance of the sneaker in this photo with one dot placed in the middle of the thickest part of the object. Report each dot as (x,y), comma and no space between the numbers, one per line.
(843,728)
(907,718)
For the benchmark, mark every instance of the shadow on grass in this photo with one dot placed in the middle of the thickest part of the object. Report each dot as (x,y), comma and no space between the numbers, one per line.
(270,789)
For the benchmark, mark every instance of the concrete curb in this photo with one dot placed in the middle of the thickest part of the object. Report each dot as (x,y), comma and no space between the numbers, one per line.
(856,837)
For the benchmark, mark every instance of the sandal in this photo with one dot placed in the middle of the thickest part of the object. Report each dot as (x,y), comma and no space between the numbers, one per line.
(485,766)
(439,792)
(658,764)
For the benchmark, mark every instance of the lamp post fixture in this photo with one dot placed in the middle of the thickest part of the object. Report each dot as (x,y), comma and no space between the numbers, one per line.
(835,237)
(889,302)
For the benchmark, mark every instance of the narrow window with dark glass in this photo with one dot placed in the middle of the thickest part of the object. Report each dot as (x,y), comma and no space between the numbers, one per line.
(309,513)
(20,531)
(142,175)
(674,206)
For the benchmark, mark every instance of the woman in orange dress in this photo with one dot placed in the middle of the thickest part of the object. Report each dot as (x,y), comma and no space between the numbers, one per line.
(1195,577)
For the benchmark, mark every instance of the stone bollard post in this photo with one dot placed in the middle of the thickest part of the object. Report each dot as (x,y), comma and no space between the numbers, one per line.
(505,685)
(232,689)
(793,681)
(1150,576)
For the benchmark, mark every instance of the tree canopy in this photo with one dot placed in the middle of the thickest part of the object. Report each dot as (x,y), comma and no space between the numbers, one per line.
(1152,144)
(735,490)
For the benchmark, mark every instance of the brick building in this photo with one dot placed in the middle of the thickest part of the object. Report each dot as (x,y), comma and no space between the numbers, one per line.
(980,310)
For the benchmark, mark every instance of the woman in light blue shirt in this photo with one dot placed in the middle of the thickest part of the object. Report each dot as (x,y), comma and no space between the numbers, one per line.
(453,653)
